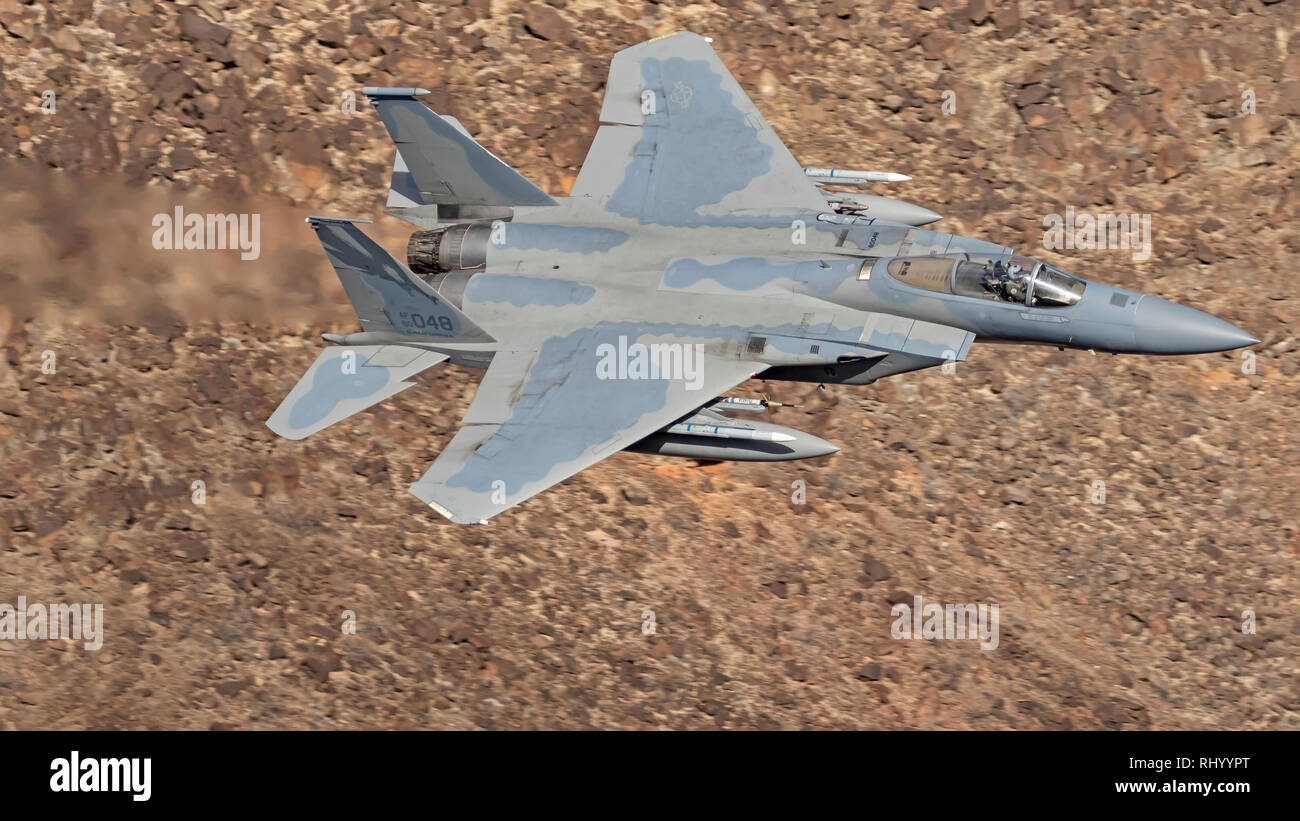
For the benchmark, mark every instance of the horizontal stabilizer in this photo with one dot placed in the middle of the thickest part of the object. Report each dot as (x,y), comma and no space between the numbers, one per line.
(443,165)
(345,380)
(404,192)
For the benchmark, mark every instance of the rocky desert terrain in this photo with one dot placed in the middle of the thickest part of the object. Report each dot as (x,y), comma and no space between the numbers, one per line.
(129,374)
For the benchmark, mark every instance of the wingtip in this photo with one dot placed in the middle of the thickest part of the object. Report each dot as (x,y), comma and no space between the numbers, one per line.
(284,431)
(424,493)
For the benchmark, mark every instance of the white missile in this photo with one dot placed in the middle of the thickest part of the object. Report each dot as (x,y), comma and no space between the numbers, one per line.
(841,176)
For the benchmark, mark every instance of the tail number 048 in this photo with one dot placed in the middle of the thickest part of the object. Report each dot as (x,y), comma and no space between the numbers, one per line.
(442,323)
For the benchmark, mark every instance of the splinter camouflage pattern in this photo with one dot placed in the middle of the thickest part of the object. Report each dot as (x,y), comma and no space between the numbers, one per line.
(692,231)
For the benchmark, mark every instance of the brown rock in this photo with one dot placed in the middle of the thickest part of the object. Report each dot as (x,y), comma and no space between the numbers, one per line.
(545,22)
(196,29)
(331,34)
(1172,159)
(322,661)
(1007,20)
(190,549)
(636,496)
(870,672)
(66,41)
(876,569)
(232,688)
(939,45)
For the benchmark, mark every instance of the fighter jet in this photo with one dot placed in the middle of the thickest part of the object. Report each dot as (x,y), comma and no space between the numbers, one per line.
(693,254)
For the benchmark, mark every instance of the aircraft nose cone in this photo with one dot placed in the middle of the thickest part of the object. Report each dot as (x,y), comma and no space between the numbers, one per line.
(1163,327)
(811,446)
(909,213)
(925,216)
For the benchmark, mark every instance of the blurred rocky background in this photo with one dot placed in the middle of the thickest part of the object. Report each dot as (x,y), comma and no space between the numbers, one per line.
(972,487)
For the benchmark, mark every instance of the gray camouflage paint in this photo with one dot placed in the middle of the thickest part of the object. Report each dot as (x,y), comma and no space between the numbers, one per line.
(445,164)
(680,229)
(523,236)
(523,292)
(669,177)
(344,381)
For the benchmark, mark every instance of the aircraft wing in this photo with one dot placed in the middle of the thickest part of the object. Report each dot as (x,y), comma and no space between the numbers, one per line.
(684,141)
(542,415)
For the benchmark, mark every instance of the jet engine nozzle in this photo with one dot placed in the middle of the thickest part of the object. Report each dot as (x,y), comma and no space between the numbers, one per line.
(459,247)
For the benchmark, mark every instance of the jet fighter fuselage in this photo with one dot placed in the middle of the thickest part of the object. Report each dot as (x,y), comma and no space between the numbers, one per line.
(693,253)
(809,274)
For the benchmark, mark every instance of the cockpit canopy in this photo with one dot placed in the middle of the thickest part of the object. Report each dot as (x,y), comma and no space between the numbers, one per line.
(1005,278)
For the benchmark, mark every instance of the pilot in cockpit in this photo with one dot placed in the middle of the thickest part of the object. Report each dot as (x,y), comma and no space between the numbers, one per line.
(1006,281)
